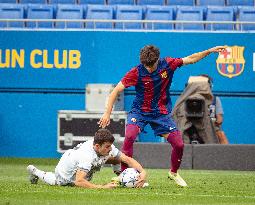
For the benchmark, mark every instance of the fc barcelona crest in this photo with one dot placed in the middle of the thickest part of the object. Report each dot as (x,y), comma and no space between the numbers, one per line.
(164,74)
(230,62)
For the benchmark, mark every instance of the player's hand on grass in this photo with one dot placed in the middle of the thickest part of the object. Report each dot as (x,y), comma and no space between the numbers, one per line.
(110,185)
(104,121)
(141,179)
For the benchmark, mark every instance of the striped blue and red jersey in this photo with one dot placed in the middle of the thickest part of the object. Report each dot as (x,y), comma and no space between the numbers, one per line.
(152,89)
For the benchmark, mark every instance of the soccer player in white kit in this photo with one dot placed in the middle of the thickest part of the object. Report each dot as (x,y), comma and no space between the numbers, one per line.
(77,166)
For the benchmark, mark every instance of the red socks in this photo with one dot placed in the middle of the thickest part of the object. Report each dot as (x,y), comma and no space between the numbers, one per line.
(130,136)
(175,139)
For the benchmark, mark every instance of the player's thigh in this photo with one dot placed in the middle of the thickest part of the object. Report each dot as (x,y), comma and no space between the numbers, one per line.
(137,119)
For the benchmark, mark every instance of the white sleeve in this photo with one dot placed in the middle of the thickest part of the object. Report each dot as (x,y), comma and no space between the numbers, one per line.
(219,109)
(115,152)
(85,164)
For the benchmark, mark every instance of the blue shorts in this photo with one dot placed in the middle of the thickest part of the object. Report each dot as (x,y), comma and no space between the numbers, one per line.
(161,124)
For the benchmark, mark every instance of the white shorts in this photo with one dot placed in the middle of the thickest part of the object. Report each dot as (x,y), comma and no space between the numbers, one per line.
(62,181)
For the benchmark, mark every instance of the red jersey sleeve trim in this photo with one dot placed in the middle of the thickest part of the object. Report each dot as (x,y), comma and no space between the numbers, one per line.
(131,78)
(174,63)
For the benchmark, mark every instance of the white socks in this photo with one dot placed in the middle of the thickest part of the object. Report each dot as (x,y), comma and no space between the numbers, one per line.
(47,177)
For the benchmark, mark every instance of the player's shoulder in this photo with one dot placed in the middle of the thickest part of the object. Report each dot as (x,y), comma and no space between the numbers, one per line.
(114,147)
(87,143)
(86,146)
(85,153)
(114,152)
(134,70)
(163,62)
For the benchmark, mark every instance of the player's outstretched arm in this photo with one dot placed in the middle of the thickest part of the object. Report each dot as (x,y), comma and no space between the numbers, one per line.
(105,119)
(134,164)
(80,181)
(200,55)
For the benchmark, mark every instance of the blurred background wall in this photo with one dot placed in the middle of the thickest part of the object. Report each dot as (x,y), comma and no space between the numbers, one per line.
(31,94)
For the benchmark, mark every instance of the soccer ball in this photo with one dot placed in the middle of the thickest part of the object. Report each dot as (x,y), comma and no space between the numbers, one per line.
(129,177)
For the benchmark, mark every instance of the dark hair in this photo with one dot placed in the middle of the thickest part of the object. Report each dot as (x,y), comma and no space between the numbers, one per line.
(149,55)
(102,136)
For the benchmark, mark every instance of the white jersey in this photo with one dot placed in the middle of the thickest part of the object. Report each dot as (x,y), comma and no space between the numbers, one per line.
(83,157)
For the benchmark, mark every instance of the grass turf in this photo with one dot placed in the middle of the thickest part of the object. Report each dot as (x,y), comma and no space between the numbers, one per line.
(205,187)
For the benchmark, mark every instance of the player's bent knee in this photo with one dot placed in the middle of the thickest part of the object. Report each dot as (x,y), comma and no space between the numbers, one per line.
(179,146)
(175,139)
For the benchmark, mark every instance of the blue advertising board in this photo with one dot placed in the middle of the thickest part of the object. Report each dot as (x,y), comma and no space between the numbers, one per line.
(42,72)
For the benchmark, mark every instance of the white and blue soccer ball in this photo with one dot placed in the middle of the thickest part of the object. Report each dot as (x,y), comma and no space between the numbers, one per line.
(129,177)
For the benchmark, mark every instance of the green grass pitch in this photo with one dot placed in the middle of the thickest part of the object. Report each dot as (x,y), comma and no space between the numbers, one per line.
(205,187)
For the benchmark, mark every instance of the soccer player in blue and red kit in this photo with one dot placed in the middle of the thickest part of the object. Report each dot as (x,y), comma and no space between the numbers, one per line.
(152,104)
